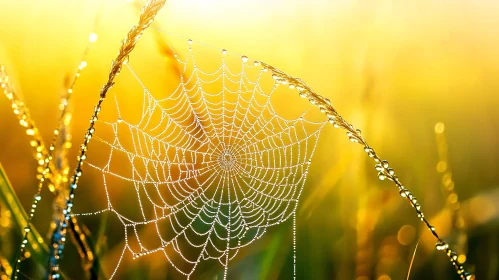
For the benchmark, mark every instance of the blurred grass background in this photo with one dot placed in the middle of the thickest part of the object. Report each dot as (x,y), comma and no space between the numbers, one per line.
(392,68)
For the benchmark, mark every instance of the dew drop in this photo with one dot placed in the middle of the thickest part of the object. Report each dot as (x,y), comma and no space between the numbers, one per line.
(224,51)
(189,42)
(442,246)
(403,192)
(244,58)
(38,197)
(126,59)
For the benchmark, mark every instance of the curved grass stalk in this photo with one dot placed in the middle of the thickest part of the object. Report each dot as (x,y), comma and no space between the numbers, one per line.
(149,12)
(78,235)
(382,166)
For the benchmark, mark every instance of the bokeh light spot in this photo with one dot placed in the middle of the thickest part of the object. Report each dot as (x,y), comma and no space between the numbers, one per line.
(406,234)
(439,127)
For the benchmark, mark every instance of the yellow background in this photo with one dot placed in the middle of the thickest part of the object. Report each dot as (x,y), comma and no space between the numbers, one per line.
(392,68)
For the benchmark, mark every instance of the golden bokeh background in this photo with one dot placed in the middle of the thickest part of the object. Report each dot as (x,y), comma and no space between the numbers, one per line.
(392,68)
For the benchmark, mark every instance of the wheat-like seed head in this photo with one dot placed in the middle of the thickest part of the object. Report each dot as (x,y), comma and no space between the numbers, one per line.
(21,110)
(149,12)
(57,174)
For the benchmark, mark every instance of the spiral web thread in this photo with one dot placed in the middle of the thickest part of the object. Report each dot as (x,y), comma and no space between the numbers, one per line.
(212,164)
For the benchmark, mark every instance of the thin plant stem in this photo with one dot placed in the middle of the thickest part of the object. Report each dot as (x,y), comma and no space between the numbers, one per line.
(78,236)
(149,12)
(412,261)
(41,154)
(48,168)
(382,166)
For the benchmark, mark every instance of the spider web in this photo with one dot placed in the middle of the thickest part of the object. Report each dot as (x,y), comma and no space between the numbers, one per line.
(211,165)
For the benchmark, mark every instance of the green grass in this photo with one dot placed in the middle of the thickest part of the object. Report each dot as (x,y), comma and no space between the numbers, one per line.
(37,246)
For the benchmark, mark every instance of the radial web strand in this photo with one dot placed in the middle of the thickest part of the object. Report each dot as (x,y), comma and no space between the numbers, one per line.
(210,166)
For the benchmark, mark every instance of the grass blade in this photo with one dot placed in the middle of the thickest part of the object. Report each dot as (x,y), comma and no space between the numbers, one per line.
(38,247)
(412,261)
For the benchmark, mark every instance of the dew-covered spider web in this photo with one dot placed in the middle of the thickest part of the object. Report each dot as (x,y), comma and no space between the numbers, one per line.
(207,167)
